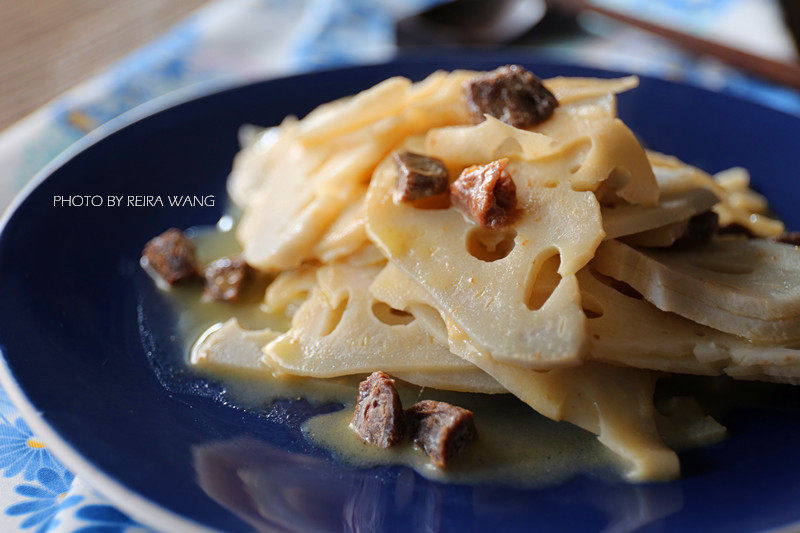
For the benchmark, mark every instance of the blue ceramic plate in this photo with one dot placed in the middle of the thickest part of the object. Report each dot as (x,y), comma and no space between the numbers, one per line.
(92,358)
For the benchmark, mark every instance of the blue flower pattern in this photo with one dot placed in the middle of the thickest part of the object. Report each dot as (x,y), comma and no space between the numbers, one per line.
(103,519)
(44,500)
(46,484)
(21,452)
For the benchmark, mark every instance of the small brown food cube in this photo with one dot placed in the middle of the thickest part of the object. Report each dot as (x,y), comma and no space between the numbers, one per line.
(419,176)
(486,193)
(511,94)
(172,256)
(440,429)
(378,418)
(225,278)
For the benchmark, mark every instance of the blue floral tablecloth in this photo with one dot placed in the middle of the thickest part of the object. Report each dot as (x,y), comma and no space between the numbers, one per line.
(234,41)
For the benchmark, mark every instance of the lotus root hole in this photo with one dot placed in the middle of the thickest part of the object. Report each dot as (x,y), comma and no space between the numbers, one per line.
(391,316)
(490,245)
(334,317)
(545,281)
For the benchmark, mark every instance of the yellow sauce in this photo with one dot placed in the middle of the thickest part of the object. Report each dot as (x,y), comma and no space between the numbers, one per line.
(195,316)
(515,446)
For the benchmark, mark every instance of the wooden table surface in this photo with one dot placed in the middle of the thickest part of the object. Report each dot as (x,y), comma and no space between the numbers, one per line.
(48,46)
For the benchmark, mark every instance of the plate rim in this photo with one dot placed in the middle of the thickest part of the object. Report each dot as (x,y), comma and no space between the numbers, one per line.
(149,512)
(143,510)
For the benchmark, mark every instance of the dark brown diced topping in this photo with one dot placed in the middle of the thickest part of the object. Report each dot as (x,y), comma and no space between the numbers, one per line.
(225,278)
(378,418)
(419,176)
(700,229)
(486,193)
(172,256)
(441,430)
(789,237)
(511,94)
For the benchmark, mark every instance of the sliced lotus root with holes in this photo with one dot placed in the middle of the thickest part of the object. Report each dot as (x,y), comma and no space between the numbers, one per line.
(289,289)
(341,329)
(295,181)
(627,330)
(747,277)
(614,402)
(234,351)
(616,165)
(289,216)
(609,147)
(275,154)
(231,350)
(747,287)
(303,193)
(628,219)
(484,279)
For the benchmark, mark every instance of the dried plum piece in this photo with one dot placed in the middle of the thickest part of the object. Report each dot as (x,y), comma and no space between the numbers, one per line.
(440,429)
(378,418)
(486,193)
(700,229)
(419,176)
(172,255)
(512,94)
(226,278)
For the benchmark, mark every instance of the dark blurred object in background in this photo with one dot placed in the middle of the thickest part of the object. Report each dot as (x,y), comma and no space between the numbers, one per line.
(791,15)
(485,22)
(508,22)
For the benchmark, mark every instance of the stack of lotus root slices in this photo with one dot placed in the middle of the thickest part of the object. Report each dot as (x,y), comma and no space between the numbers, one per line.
(584,269)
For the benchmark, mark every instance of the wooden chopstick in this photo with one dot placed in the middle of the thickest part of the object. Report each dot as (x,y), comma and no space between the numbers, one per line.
(777,71)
